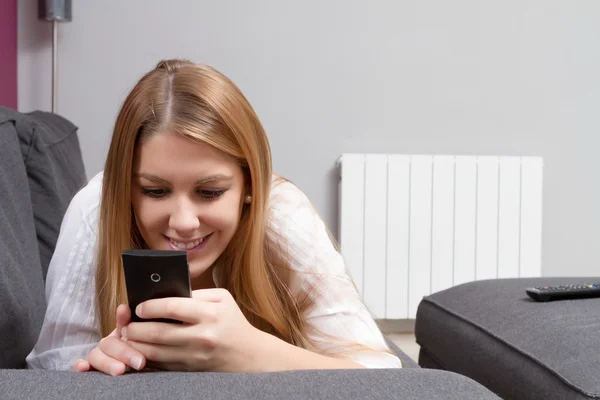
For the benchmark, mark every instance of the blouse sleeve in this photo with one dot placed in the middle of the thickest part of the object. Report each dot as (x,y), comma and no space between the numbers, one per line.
(339,322)
(70,330)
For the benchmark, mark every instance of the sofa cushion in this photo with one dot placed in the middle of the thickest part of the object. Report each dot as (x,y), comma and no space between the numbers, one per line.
(54,164)
(494,333)
(319,384)
(22,302)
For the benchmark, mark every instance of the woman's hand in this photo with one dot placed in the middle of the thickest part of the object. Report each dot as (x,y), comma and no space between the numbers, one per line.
(113,355)
(214,336)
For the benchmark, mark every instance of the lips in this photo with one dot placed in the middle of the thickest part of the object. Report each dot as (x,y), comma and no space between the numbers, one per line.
(186,245)
(189,245)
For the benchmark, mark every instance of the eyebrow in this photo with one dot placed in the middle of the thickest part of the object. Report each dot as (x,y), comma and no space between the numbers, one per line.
(159,180)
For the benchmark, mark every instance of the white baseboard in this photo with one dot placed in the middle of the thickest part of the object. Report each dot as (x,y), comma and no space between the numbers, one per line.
(396,325)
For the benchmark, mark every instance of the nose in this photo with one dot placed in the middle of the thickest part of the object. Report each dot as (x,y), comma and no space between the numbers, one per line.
(184,218)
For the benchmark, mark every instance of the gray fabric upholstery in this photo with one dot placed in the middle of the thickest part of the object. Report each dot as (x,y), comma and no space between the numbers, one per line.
(494,333)
(346,385)
(55,169)
(22,303)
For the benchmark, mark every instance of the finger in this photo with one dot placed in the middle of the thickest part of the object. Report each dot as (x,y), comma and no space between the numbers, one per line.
(81,366)
(113,356)
(211,295)
(160,333)
(186,310)
(123,318)
(157,353)
(101,362)
(178,308)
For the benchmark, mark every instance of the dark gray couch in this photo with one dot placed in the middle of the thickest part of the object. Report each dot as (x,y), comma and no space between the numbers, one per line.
(494,333)
(40,170)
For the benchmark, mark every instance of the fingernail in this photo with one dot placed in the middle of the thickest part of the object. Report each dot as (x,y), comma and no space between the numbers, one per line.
(136,362)
(114,369)
(138,310)
(124,332)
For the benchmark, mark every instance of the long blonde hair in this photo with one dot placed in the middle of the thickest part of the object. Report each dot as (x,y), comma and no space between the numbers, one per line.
(200,103)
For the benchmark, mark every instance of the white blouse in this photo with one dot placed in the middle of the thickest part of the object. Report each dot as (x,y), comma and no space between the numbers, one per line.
(70,328)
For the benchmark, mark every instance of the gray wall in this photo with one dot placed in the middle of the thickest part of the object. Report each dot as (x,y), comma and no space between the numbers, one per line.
(511,77)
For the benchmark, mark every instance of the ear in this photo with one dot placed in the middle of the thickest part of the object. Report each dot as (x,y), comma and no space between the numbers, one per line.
(247,186)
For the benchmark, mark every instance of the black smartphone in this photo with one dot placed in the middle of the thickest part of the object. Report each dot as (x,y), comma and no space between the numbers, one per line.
(153,274)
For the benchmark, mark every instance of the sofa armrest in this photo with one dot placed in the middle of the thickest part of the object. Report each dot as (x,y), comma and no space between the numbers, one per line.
(407,362)
(328,384)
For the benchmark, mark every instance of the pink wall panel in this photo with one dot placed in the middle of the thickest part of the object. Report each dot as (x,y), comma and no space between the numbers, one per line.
(8,53)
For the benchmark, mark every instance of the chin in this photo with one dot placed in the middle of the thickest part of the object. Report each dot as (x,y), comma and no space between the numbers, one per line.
(197,270)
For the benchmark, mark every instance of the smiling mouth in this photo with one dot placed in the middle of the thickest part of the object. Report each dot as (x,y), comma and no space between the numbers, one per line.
(188,245)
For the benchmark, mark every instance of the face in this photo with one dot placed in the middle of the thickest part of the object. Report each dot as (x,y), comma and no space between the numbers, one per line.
(186,195)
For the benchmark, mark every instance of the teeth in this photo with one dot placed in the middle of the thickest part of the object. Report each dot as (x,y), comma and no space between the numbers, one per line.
(187,246)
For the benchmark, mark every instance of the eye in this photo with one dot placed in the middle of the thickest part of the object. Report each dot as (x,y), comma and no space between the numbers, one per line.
(155,193)
(210,194)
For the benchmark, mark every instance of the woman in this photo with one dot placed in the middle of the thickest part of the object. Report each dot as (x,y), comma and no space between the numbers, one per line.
(189,167)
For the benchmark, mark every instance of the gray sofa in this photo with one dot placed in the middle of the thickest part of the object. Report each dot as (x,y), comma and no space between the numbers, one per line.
(494,333)
(41,168)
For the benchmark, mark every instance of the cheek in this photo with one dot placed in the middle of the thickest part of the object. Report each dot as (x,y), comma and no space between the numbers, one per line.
(148,214)
(222,215)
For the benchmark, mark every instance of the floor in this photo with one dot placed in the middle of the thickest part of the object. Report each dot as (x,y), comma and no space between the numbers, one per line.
(406,342)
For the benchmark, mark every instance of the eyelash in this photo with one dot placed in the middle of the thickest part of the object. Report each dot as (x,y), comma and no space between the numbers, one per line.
(162,193)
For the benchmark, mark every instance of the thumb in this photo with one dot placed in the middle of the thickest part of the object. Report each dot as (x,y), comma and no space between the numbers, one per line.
(81,366)
(123,317)
(211,295)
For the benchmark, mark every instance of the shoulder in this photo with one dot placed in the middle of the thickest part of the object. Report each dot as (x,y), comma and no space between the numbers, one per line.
(284,193)
(290,209)
(296,228)
(74,253)
(85,205)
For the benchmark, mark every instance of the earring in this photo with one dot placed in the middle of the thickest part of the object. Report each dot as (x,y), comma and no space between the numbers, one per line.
(248,199)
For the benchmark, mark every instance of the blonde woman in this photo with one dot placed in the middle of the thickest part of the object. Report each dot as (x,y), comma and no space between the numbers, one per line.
(189,167)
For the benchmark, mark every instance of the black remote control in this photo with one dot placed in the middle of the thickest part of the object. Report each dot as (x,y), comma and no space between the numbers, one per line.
(564,292)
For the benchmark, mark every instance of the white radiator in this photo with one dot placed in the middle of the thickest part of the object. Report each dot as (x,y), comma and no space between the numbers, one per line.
(411,225)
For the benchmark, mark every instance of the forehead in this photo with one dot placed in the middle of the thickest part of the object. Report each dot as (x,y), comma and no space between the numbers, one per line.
(172,152)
